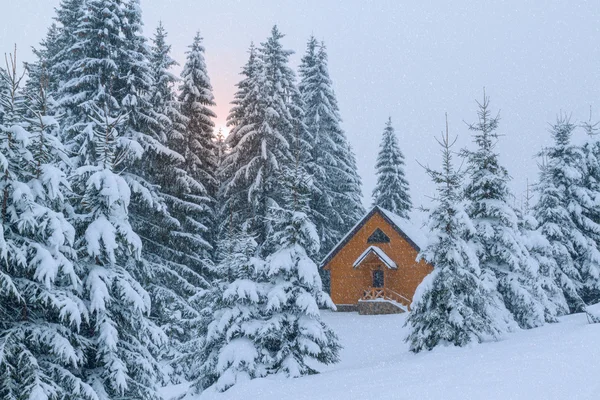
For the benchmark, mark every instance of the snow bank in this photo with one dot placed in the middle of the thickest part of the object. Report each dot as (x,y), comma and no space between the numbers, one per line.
(557,361)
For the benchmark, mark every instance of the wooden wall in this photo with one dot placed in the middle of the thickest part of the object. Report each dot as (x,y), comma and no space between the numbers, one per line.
(348,283)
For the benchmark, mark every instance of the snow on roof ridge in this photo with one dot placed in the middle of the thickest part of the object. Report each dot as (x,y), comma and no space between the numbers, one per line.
(411,230)
(380,253)
(414,233)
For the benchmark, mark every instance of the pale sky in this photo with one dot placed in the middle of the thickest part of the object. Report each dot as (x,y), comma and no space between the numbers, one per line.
(411,60)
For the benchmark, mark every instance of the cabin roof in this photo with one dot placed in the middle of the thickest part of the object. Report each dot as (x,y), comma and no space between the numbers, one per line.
(409,231)
(379,253)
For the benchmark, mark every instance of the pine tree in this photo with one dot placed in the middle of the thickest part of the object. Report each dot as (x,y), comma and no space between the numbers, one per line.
(540,250)
(108,126)
(235,203)
(175,249)
(391,191)
(41,313)
(69,15)
(293,335)
(335,203)
(589,222)
(198,145)
(453,305)
(39,73)
(563,211)
(232,352)
(263,137)
(503,257)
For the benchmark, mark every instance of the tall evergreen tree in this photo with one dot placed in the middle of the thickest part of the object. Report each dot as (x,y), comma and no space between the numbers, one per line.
(391,191)
(503,257)
(107,129)
(335,202)
(263,137)
(589,221)
(69,15)
(453,305)
(39,72)
(172,259)
(564,211)
(41,313)
(198,145)
(232,196)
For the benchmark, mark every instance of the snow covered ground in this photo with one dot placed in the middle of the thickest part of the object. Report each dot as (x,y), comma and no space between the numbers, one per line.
(558,361)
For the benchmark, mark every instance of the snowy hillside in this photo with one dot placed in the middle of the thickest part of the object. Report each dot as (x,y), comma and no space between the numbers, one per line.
(557,361)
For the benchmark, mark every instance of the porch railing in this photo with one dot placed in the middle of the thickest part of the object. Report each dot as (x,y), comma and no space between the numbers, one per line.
(385,294)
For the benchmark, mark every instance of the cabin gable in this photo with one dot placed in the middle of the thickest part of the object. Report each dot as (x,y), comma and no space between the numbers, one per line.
(352,266)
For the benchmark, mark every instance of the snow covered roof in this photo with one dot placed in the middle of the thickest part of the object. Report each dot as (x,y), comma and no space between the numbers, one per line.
(410,231)
(379,253)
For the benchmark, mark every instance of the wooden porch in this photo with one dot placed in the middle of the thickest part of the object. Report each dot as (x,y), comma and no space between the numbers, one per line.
(383,295)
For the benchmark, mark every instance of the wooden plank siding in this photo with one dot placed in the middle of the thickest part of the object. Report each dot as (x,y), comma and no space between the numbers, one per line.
(348,283)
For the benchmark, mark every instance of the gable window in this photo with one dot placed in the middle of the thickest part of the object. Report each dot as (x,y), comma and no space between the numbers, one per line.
(378,237)
(378,279)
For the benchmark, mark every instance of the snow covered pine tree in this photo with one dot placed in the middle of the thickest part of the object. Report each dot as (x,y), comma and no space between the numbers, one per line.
(41,313)
(293,334)
(335,202)
(452,305)
(232,353)
(265,124)
(105,132)
(563,212)
(391,191)
(504,259)
(198,146)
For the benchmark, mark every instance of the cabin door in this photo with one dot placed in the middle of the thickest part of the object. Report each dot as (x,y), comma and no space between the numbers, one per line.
(378,279)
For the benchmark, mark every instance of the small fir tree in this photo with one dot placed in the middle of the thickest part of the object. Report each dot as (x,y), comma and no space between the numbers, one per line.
(391,191)
(293,335)
(453,305)
(232,353)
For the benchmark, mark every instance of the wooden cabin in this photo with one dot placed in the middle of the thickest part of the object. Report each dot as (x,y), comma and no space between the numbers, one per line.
(373,269)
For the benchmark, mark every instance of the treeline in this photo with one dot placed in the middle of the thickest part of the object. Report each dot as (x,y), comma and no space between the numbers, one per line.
(138,247)
(498,267)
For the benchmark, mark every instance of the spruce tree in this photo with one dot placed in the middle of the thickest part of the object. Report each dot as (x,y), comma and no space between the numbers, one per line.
(235,206)
(232,352)
(198,145)
(590,218)
(540,250)
(108,126)
(391,191)
(175,248)
(294,336)
(263,138)
(453,305)
(503,257)
(41,313)
(335,202)
(564,211)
